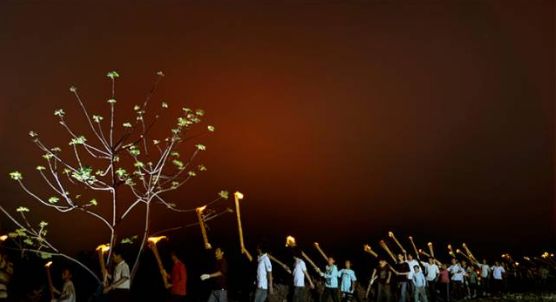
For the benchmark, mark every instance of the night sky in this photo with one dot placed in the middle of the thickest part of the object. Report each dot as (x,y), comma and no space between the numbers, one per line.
(338,120)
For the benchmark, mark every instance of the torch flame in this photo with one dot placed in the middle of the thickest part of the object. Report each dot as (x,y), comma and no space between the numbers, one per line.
(290,241)
(103,248)
(154,240)
(201,209)
(367,248)
(429,244)
(48,264)
(3,237)
(238,195)
(391,234)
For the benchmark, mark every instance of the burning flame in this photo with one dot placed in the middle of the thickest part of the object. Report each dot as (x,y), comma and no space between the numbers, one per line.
(391,234)
(201,209)
(48,264)
(103,248)
(367,248)
(3,237)
(238,195)
(429,244)
(154,240)
(290,241)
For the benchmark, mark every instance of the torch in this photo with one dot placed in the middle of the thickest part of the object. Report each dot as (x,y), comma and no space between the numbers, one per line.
(414,247)
(237,196)
(451,251)
(458,251)
(391,235)
(367,248)
(317,245)
(385,247)
(3,238)
(431,250)
(49,276)
(469,252)
(203,227)
(424,253)
(152,245)
(101,249)
(284,266)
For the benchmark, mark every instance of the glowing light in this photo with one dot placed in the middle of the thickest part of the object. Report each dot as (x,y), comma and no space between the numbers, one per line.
(391,234)
(103,248)
(155,240)
(201,209)
(290,241)
(48,264)
(3,237)
(238,195)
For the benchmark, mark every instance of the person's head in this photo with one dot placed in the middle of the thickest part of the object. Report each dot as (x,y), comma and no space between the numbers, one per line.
(454,260)
(382,262)
(431,260)
(400,258)
(497,263)
(296,253)
(117,255)
(331,261)
(484,261)
(348,264)
(174,256)
(218,253)
(416,268)
(463,263)
(444,266)
(409,257)
(262,248)
(66,274)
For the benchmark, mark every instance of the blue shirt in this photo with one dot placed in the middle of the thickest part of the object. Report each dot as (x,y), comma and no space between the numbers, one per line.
(419,279)
(331,276)
(347,277)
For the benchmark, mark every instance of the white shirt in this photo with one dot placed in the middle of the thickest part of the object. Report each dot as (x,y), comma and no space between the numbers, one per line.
(457,272)
(68,292)
(485,270)
(497,272)
(263,268)
(299,273)
(411,264)
(122,271)
(432,271)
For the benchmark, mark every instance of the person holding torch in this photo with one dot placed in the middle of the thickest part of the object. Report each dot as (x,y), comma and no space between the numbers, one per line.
(219,292)
(264,275)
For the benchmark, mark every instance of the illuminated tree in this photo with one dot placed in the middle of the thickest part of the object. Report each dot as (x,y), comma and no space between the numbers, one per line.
(113,159)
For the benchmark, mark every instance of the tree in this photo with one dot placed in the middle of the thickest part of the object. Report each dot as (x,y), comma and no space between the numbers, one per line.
(117,158)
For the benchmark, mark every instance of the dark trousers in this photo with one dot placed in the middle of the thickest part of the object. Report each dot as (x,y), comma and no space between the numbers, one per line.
(177,298)
(330,292)
(298,294)
(119,295)
(457,290)
(384,293)
(444,289)
(432,290)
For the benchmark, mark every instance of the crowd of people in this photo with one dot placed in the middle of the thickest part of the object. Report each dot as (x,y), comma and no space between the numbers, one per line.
(408,278)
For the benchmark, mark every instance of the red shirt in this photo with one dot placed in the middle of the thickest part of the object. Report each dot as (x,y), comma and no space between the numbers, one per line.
(444,276)
(179,279)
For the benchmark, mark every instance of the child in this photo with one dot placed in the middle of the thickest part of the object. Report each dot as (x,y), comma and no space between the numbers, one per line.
(419,285)
(299,275)
(347,282)
(444,283)
(68,291)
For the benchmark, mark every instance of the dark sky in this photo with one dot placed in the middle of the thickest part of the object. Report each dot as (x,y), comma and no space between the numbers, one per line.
(339,120)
